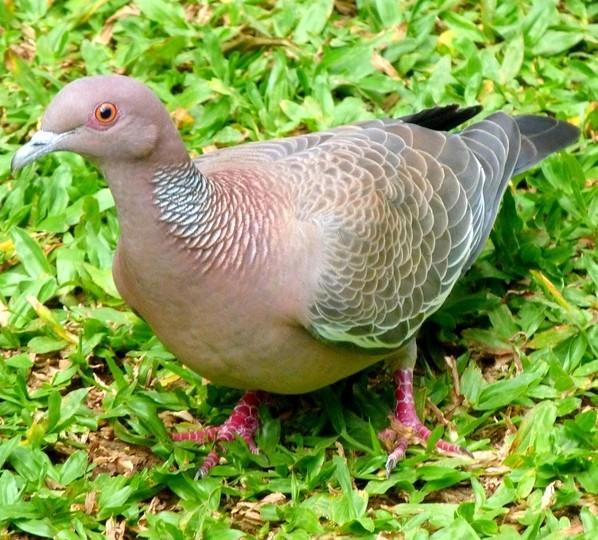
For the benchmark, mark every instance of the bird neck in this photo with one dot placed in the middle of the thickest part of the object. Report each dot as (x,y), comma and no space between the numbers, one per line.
(224,221)
(185,200)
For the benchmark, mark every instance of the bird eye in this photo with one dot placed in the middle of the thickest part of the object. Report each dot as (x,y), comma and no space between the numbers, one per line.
(105,113)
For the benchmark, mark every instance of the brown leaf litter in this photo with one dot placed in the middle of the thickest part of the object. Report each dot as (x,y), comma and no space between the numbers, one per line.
(114,457)
(247,514)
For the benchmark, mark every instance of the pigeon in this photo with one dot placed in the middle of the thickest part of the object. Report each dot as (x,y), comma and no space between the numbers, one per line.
(282,266)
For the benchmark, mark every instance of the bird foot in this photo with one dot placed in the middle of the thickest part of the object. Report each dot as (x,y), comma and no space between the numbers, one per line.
(243,422)
(406,427)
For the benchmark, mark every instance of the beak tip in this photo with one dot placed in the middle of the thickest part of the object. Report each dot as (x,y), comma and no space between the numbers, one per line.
(42,143)
(19,161)
(14,166)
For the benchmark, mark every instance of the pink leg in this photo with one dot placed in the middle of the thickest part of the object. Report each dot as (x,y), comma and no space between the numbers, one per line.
(242,422)
(406,423)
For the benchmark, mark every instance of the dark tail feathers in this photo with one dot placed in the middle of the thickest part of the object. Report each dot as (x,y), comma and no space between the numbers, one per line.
(442,118)
(541,136)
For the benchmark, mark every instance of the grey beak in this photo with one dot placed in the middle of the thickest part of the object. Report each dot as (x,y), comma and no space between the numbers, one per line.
(42,143)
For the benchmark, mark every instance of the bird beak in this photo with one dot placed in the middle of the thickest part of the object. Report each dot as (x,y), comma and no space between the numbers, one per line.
(42,143)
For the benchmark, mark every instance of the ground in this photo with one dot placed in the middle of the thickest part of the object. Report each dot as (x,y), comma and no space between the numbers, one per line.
(507,367)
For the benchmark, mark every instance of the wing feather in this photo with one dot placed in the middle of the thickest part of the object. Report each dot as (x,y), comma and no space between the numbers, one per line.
(402,210)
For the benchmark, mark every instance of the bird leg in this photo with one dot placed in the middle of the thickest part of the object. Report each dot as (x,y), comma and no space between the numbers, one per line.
(405,424)
(243,422)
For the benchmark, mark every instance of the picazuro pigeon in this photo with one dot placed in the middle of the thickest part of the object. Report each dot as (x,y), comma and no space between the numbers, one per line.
(284,266)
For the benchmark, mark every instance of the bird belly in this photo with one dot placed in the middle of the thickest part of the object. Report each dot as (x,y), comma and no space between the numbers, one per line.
(232,334)
(276,358)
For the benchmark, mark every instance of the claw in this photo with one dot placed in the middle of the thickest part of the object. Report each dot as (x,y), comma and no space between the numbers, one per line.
(391,463)
(243,422)
(465,452)
(210,461)
(395,456)
(406,426)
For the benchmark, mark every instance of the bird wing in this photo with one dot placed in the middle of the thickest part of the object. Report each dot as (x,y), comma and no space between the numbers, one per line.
(399,208)
(403,210)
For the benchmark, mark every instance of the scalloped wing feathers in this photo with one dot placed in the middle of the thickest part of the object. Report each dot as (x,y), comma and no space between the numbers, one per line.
(403,210)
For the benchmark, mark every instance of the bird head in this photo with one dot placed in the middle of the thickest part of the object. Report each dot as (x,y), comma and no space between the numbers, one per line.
(104,118)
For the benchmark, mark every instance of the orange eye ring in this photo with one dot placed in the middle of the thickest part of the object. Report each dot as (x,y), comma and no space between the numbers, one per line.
(105,113)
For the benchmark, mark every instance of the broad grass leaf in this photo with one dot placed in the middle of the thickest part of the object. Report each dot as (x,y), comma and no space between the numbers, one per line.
(21,310)
(146,411)
(38,527)
(30,463)
(538,19)
(351,504)
(6,449)
(459,528)
(463,26)
(313,19)
(440,78)
(512,59)
(30,254)
(348,63)
(102,277)
(587,369)
(10,488)
(163,12)
(535,431)
(506,391)
(389,12)
(589,480)
(584,428)
(556,42)
(26,78)
(21,510)
(74,467)
(53,412)
(45,344)
(73,408)
(552,337)
(114,496)
(589,520)
(472,384)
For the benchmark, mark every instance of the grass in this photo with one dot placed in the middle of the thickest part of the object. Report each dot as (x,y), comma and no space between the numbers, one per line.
(509,363)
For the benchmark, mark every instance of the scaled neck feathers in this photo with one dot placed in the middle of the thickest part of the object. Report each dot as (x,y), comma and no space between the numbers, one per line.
(183,196)
(213,218)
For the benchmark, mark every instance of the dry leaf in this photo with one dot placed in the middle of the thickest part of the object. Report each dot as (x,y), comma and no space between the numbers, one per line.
(115,530)
(105,35)
(383,65)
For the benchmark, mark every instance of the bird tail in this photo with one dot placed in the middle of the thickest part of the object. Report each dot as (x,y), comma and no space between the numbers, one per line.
(540,137)
(505,146)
